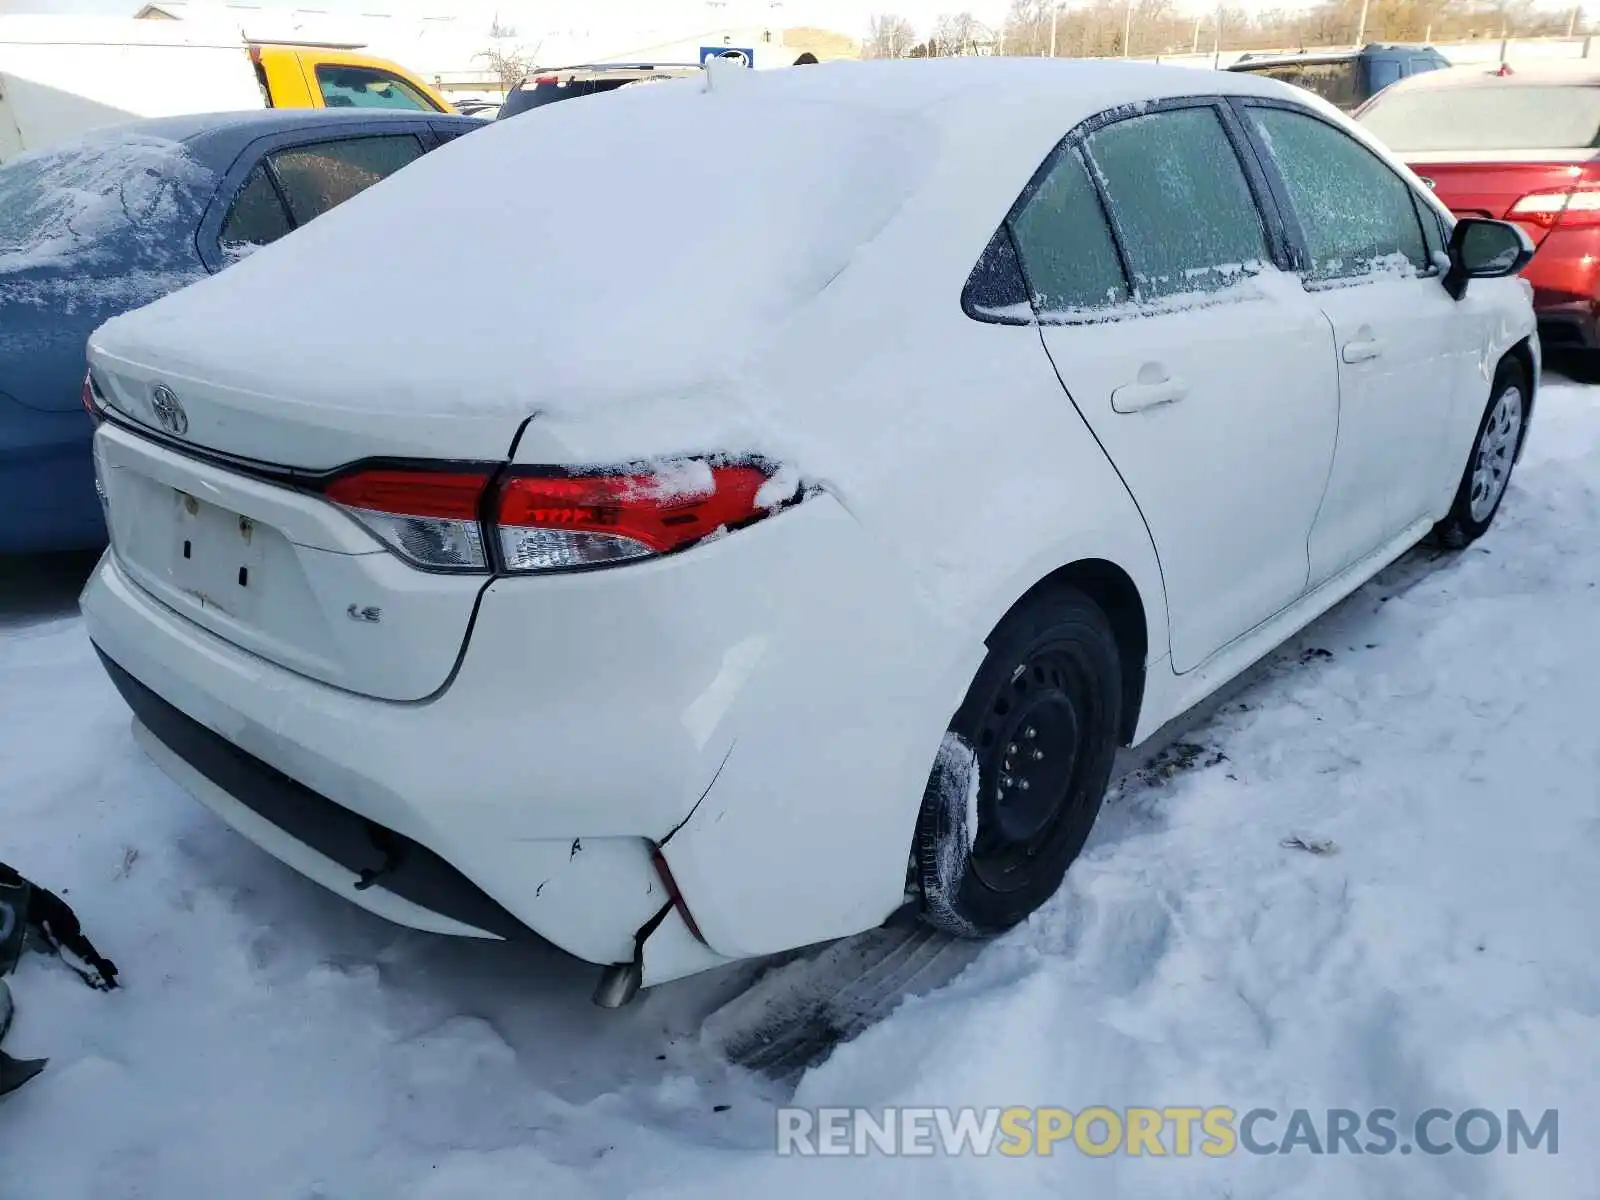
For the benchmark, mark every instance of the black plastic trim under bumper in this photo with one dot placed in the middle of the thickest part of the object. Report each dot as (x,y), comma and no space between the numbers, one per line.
(391,861)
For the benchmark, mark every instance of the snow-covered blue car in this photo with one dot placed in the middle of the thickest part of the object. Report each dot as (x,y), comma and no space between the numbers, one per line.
(99,226)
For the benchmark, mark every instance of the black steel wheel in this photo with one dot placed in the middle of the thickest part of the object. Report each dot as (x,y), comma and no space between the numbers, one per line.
(1039,727)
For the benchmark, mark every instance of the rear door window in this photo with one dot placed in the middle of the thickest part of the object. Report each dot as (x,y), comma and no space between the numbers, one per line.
(368,87)
(257,217)
(1180,201)
(1357,215)
(318,177)
(1067,250)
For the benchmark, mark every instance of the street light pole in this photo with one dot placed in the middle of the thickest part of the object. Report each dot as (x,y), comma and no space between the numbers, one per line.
(1361,27)
(1127,28)
(1055,16)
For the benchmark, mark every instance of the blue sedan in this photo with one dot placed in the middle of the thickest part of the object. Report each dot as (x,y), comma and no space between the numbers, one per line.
(106,224)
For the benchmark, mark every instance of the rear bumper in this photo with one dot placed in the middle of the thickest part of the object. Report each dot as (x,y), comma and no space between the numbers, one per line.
(1565,274)
(764,709)
(1570,325)
(47,491)
(310,832)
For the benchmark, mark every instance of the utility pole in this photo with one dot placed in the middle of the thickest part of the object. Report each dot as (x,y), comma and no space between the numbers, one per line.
(1055,16)
(1216,45)
(1361,27)
(1127,28)
(1195,47)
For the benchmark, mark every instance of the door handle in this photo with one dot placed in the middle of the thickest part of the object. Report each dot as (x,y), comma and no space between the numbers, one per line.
(1136,397)
(1362,350)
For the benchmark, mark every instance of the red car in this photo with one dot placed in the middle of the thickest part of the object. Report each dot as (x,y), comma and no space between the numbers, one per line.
(1520,143)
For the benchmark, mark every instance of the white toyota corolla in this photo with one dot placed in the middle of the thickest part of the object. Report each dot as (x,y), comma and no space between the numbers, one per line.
(854,458)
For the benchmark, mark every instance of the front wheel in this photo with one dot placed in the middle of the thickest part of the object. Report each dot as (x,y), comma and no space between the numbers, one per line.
(1488,470)
(1023,769)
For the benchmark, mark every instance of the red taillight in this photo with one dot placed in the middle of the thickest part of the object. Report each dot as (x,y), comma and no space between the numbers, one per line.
(427,517)
(1575,209)
(552,522)
(90,405)
(1575,205)
(411,493)
(547,79)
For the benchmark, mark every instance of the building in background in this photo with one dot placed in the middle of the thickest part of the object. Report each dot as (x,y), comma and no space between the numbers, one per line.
(480,52)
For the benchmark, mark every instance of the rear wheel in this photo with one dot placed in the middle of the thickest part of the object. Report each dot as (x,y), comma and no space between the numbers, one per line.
(1020,779)
(1494,453)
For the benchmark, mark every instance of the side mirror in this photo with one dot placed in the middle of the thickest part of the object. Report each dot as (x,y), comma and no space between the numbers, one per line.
(1483,249)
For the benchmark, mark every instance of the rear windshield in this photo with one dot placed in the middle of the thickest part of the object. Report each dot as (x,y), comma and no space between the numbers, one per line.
(1492,117)
(1335,81)
(524,98)
(56,202)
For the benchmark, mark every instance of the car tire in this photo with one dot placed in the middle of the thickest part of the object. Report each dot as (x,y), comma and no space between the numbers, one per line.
(1027,758)
(1495,447)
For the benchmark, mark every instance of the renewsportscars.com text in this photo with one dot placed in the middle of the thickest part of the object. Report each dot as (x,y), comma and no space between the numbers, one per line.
(1213,1132)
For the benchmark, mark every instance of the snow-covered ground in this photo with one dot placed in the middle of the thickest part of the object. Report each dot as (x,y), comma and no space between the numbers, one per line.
(1437,736)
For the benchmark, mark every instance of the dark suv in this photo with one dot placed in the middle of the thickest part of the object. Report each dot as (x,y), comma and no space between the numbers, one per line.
(548,85)
(1346,78)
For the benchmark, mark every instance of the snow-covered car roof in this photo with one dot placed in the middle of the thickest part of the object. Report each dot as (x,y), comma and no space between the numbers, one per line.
(687,224)
(1575,73)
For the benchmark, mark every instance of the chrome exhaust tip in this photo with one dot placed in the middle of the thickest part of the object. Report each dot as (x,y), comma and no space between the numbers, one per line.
(619,984)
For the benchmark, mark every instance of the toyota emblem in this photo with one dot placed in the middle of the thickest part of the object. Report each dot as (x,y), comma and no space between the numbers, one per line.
(168,410)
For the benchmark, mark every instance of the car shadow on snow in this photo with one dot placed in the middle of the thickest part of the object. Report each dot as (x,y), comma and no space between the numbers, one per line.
(40,587)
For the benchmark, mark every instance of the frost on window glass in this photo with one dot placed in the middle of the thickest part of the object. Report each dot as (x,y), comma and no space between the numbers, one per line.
(1066,246)
(110,195)
(317,178)
(1188,221)
(995,291)
(1358,216)
(256,219)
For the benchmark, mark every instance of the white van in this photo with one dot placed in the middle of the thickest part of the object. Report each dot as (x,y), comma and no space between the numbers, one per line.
(63,76)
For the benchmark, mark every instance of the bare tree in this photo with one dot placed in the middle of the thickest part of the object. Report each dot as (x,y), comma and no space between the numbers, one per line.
(957,33)
(888,36)
(1095,28)
(1027,27)
(510,63)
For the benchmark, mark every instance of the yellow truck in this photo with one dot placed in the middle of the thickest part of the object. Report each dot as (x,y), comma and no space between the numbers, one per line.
(62,76)
(325,75)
